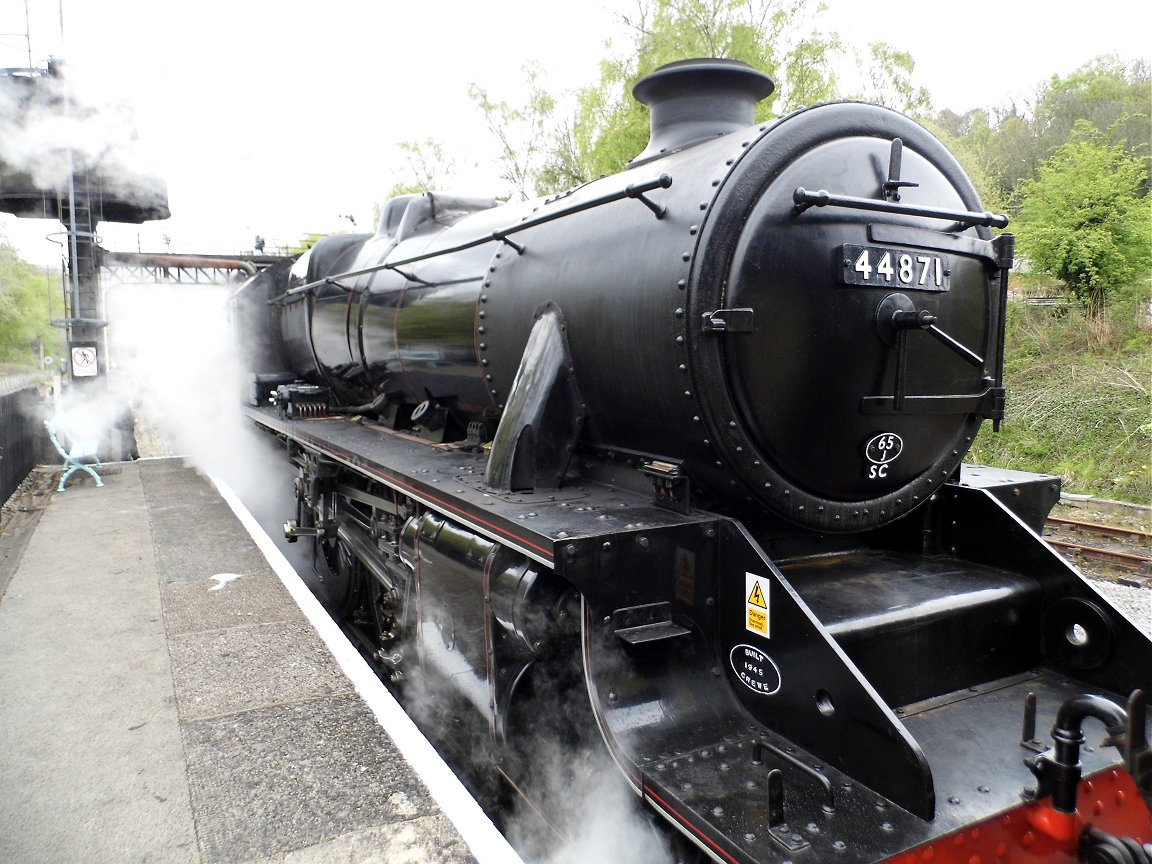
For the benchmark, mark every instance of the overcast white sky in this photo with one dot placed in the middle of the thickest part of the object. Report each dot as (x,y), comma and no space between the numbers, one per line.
(273,122)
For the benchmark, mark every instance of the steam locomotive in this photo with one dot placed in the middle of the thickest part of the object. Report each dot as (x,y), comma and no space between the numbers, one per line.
(672,463)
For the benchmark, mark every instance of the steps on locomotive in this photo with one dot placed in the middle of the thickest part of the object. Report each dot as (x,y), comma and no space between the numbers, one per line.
(919,626)
(887,705)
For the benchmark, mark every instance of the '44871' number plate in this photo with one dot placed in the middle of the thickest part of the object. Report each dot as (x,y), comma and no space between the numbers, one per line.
(879,267)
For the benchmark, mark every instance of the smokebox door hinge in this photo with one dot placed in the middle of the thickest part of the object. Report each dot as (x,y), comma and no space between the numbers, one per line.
(728,321)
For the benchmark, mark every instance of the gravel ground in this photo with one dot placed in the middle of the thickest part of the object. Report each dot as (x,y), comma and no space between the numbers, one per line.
(1136,603)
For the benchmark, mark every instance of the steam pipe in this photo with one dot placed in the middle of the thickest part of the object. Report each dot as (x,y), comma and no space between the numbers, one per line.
(163,260)
(1075,711)
(1064,769)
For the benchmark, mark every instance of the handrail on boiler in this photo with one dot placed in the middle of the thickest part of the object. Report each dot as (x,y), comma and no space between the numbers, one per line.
(634,190)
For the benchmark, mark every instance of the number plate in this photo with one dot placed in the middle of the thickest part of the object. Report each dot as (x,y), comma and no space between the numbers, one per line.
(879,267)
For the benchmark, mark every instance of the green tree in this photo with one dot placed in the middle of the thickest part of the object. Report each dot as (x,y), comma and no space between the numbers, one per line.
(28,303)
(890,76)
(1012,153)
(609,128)
(522,133)
(305,243)
(1109,93)
(428,167)
(808,75)
(969,137)
(1084,219)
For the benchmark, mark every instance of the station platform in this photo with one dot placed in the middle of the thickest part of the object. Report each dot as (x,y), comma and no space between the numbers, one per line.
(171,692)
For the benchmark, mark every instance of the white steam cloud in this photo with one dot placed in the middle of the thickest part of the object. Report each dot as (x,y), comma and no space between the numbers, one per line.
(598,816)
(575,805)
(50,130)
(174,358)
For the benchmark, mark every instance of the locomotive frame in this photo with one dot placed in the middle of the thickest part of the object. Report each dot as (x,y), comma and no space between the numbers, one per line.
(784,661)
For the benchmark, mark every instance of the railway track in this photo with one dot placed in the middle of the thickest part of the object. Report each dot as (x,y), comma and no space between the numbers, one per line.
(1126,548)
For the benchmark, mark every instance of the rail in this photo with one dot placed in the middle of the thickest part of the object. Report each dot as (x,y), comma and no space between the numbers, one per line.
(1070,530)
(1113,531)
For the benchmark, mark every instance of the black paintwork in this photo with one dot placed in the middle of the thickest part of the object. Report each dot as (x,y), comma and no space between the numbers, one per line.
(954,718)
(724,493)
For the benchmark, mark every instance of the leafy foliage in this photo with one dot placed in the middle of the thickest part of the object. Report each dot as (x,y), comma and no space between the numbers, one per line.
(1078,401)
(608,128)
(28,303)
(521,132)
(428,164)
(891,81)
(1083,219)
(1109,94)
(1075,174)
(1010,144)
(971,138)
(775,36)
(305,243)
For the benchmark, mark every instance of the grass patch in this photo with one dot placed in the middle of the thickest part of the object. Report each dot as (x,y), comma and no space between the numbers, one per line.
(1079,401)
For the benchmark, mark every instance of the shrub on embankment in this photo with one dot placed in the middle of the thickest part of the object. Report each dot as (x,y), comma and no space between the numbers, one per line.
(1079,400)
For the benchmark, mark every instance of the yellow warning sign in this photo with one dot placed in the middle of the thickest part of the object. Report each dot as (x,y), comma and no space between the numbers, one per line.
(756,615)
(757,621)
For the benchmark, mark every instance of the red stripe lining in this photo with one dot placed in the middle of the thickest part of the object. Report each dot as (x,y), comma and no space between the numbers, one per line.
(700,833)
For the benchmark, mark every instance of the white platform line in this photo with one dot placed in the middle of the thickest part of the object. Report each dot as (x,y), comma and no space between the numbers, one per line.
(487,844)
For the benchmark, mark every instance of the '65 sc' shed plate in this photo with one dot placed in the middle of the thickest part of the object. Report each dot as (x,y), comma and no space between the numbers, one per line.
(905,269)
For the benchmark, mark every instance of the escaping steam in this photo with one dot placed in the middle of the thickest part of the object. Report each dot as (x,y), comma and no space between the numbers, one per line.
(51,131)
(571,804)
(602,818)
(173,357)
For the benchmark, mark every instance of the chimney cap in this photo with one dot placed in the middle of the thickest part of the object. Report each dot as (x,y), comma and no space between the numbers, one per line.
(693,100)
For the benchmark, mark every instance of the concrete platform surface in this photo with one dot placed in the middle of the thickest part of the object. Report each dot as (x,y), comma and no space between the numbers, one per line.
(163,698)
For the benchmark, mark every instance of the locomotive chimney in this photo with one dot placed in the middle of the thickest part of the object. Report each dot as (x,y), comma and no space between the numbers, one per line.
(694,100)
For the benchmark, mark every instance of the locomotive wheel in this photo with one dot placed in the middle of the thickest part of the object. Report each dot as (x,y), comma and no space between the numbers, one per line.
(339,577)
(344,590)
